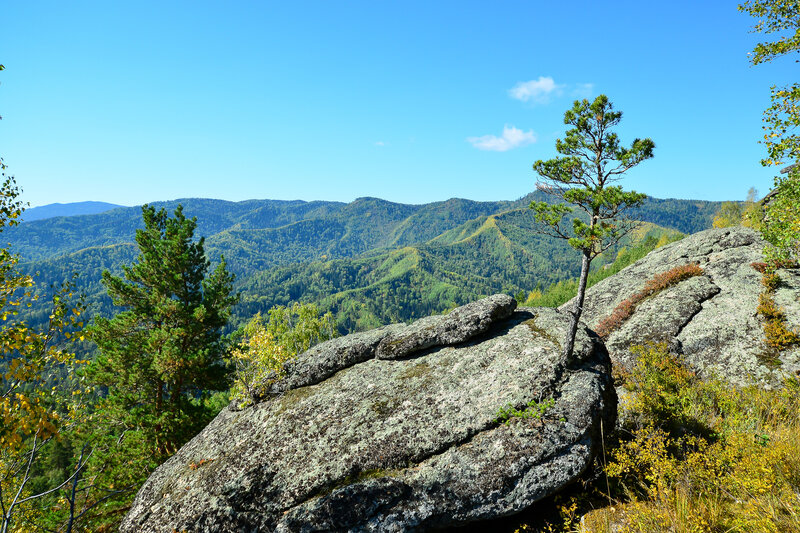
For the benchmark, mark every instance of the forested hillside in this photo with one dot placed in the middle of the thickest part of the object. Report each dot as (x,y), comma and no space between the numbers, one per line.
(349,229)
(370,261)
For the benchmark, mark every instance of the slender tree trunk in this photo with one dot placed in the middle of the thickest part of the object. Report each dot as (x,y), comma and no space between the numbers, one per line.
(159,395)
(569,343)
(74,491)
(71,520)
(159,411)
(177,389)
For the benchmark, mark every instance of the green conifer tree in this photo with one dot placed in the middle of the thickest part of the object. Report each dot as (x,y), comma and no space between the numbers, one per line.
(592,161)
(161,354)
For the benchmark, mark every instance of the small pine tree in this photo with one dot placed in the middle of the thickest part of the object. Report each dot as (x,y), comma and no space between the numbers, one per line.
(593,160)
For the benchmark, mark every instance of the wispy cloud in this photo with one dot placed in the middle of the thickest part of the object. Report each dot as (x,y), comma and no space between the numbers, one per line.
(511,138)
(538,91)
(379,143)
(583,90)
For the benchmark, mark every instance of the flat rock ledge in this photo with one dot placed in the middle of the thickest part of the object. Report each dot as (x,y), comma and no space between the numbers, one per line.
(408,444)
(710,319)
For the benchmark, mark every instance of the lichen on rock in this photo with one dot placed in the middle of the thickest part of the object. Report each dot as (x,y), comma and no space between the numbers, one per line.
(457,326)
(711,319)
(395,444)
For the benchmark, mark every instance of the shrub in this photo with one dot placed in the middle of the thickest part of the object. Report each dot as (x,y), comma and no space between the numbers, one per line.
(261,358)
(693,455)
(704,456)
(661,387)
(770,281)
(768,308)
(777,335)
(533,409)
(671,277)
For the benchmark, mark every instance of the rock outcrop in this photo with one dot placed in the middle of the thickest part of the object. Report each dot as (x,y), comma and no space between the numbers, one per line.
(710,319)
(355,441)
(457,326)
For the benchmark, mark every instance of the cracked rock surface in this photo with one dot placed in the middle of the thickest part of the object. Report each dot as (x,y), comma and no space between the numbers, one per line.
(710,319)
(408,444)
(457,326)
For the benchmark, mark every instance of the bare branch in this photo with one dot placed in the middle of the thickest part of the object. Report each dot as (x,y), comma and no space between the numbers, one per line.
(110,494)
(25,477)
(63,484)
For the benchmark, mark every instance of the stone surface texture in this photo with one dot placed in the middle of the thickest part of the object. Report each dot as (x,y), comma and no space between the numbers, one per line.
(325,359)
(457,326)
(409,444)
(710,319)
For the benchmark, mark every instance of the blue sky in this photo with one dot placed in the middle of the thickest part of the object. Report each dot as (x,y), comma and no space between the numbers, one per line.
(130,102)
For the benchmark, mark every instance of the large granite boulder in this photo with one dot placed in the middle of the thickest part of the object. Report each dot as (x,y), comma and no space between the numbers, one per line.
(409,443)
(711,319)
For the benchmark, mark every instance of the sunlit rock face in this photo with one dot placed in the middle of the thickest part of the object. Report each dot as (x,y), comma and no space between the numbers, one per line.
(710,319)
(396,430)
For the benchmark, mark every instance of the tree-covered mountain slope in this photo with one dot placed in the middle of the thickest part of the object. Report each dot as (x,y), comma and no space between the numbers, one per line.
(371,261)
(356,227)
(686,216)
(487,255)
(43,239)
(361,225)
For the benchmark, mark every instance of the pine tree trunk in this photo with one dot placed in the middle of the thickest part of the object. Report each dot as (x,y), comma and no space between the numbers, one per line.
(569,344)
(159,396)
(159,410)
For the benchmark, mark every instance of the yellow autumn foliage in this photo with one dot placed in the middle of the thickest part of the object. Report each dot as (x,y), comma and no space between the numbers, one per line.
(32,410)
(703,455)
(261,358)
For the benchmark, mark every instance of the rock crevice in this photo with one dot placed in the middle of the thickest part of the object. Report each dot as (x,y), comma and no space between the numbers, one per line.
(394,341)
(701,301)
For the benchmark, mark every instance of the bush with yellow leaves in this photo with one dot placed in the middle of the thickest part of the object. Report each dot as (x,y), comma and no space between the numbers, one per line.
(693,455)
(260,359)
(32,411)
(702,455)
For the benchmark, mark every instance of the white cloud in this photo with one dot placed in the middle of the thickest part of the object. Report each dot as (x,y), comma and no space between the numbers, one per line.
(512,138)
(537,91)
(583,90)
(380,143)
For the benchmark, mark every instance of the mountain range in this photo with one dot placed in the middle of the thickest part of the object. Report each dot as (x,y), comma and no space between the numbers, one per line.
(66,210)
(369,261)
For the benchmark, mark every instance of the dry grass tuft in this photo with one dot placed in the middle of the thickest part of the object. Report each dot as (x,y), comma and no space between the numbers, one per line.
(658,283)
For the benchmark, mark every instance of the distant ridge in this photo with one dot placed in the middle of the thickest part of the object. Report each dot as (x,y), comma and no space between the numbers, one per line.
(370,261)
(66,210)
